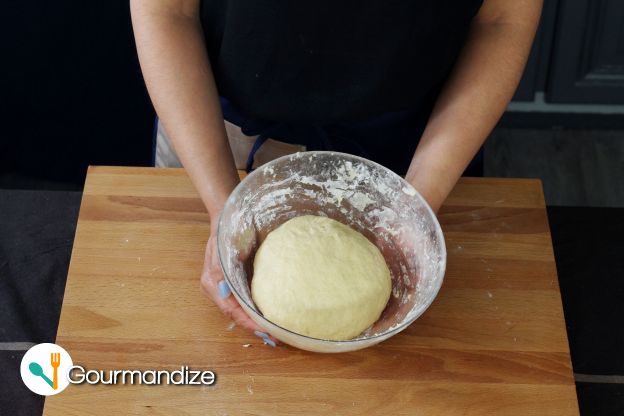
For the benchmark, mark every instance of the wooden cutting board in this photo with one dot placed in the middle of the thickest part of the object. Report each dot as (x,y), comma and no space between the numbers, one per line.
(492,343)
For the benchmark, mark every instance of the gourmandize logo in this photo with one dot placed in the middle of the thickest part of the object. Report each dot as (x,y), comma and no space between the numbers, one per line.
(47,369)
(55,361)
(44,369)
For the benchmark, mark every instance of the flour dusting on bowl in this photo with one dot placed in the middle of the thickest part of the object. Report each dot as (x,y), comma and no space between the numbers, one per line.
(362,194)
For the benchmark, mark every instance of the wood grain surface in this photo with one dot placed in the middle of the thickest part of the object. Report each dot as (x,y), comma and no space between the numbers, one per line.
(492,343)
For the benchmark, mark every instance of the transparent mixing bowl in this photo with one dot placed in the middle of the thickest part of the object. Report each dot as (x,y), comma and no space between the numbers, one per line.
(362,194)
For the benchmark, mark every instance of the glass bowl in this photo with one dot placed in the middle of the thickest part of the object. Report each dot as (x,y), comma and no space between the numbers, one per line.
(360,193)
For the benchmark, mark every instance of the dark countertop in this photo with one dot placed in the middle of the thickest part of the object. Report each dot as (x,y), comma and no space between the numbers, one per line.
(36,235)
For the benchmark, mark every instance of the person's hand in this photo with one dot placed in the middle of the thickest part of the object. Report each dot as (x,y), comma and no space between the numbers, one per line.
(213,284)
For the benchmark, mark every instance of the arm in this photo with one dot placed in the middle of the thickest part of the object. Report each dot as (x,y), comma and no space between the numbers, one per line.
(179,79)
(475,96)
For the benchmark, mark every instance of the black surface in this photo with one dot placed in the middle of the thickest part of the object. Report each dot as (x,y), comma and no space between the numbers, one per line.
(15,398)
(599,399)
(589,247)
(36,235)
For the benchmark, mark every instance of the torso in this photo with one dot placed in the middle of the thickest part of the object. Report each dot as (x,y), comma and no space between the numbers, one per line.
(324,61)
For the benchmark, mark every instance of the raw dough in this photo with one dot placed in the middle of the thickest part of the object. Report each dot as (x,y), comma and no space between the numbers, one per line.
(318,277)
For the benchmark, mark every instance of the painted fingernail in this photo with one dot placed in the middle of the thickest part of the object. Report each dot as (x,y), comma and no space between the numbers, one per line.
(265,338)
(224,289)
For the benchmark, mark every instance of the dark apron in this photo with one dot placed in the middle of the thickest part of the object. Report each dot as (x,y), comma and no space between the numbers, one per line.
(389,139)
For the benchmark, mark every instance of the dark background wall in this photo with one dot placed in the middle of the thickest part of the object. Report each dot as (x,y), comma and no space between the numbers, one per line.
(72,91)
(587,64)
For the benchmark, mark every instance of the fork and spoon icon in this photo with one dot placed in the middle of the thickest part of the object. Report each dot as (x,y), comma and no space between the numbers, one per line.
(55,361)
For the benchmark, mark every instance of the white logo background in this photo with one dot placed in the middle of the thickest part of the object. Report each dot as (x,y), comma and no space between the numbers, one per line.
(40,354)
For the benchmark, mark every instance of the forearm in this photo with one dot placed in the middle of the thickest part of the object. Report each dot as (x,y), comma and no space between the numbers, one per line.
(181,85)
(469,106)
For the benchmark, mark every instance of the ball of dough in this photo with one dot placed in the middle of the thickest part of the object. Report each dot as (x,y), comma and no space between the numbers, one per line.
(318,277)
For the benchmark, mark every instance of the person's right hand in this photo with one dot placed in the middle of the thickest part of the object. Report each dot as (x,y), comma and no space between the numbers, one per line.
(213,284)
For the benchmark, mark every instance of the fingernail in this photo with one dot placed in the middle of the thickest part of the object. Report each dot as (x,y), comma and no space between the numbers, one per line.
(265,338)
(224,289)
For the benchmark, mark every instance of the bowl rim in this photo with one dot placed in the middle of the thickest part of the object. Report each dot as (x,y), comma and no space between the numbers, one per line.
(381,336)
